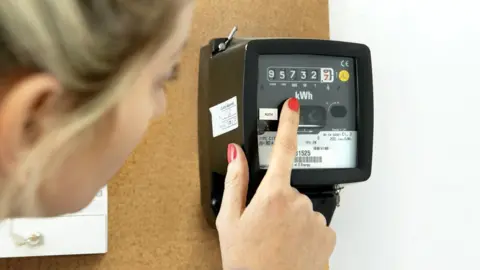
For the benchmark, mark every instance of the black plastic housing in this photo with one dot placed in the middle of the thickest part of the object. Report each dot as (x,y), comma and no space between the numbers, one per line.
(234,72)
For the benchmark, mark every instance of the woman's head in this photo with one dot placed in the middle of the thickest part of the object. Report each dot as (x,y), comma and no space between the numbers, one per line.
(79,82)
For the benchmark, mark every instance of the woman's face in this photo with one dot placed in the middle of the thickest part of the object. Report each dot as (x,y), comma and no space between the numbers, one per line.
(120,131)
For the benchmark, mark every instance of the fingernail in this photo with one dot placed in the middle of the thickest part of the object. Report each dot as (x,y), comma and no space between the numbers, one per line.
(293,104)
(231,153)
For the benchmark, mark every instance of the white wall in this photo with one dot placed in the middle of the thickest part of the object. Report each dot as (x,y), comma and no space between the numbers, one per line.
(420,209)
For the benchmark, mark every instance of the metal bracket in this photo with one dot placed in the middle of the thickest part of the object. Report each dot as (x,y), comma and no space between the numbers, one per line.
(224,45)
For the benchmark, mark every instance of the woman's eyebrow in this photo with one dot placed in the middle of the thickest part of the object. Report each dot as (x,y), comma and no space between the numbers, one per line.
(181,48)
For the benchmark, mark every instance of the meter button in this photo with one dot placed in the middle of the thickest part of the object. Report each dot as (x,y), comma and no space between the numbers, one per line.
(338,111)
(313,116)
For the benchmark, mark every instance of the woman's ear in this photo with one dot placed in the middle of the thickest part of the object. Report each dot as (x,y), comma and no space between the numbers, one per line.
(27,109)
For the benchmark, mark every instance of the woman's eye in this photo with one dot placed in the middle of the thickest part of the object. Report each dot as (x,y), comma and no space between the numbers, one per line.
(174,74)
(159,83)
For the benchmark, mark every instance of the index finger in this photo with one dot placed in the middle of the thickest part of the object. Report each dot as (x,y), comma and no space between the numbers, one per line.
(285,145)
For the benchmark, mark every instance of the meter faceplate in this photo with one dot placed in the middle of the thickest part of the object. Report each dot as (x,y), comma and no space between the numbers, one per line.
(322,54)
(325,87)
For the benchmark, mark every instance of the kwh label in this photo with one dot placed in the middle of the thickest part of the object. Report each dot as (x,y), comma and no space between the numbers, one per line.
(305,95)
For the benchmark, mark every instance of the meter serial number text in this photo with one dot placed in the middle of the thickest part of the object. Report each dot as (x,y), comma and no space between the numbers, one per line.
(304,153)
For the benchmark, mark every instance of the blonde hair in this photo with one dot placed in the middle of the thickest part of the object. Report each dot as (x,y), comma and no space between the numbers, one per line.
(91,48)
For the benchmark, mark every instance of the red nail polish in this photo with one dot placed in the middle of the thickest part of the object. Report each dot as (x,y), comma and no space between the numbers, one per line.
(231,153)
(293,104)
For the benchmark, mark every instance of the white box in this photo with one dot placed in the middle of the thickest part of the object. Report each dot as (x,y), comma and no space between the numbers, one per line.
(85,232)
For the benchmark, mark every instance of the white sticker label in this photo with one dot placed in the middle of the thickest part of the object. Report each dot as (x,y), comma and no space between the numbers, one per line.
(268,114)
(224,117)
(325,150)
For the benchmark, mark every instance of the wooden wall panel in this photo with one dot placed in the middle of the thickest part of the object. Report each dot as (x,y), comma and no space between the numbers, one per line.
(155,219)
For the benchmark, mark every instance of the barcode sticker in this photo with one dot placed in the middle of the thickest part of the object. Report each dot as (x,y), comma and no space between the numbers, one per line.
(308,159)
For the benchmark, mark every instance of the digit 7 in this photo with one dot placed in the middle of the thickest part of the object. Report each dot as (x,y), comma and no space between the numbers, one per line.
(327,75)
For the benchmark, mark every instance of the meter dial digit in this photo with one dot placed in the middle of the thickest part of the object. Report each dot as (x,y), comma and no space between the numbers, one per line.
(271,74)
(303,75)
(282,74)
(313,75)
(292,74)
(327,75)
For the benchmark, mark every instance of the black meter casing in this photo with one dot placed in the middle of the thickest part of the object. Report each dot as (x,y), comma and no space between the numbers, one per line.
(237,72)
